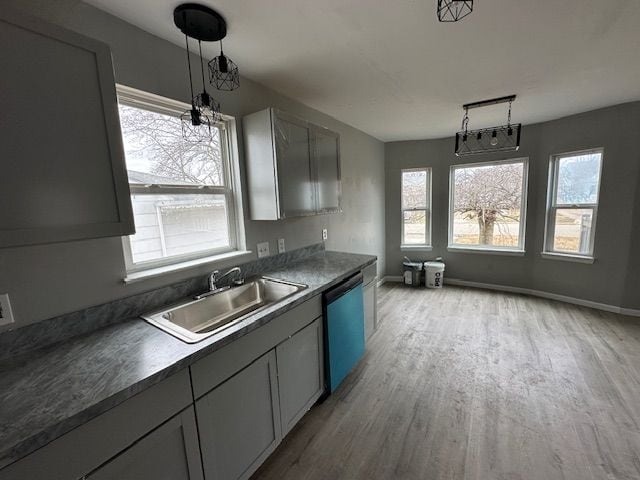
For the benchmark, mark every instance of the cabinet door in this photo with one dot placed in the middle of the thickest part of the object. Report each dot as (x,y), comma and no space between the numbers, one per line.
(170,452)
(239,421)
(300,373)
(63,170)
(295,181)
(369,299)
(326,160)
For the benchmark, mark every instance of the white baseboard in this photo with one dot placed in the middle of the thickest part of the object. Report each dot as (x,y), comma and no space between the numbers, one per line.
(538,293)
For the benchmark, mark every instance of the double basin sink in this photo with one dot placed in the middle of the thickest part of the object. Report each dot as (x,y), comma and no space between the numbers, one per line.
(195,320)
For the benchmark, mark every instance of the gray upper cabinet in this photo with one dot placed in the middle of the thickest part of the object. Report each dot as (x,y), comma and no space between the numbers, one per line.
(293,166)
(325,146)
(63,170)
(295,178)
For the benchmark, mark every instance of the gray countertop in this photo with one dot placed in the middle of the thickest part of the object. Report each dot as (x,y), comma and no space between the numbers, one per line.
(47,394)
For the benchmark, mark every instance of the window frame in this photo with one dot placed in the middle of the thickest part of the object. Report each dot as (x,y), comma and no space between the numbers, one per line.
(551,208)
(427,209)
(493,249)
(230,190)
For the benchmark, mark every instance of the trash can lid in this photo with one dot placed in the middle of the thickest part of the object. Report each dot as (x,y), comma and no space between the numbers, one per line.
(434,264)
(414,265)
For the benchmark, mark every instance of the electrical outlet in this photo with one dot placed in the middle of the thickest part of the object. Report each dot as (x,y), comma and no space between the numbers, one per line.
(6,315)
(263,249)
(325,234)
(281,245)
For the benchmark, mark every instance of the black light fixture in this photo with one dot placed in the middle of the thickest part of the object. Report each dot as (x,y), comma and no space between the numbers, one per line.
(203,24)
(454,10)
(223,72)
(491,139)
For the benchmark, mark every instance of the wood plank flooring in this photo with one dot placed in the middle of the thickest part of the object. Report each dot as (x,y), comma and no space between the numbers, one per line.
(470,384)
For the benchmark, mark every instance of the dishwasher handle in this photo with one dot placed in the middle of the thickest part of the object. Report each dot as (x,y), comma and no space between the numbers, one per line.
(343,288)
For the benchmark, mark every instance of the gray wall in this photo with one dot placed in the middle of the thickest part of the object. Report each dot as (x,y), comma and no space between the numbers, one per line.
(617,257)
(48,280)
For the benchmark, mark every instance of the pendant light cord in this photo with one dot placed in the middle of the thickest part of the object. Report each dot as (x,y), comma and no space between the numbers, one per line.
(204,86)
(186,38)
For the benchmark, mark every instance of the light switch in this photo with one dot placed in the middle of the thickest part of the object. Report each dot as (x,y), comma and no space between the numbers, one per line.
(281,245)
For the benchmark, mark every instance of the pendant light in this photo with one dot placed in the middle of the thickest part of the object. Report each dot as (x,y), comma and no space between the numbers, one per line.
(223,72)
(203,24)
(492,139)
(454,10)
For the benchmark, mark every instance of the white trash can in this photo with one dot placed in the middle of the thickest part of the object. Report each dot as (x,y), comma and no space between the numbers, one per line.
(433,274)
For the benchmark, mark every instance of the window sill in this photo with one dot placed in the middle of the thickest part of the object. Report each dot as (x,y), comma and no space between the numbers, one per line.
(567,257)
(181,266)
(420,248)
(486,251)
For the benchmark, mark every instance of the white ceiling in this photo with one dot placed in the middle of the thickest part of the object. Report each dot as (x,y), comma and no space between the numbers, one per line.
(390,69)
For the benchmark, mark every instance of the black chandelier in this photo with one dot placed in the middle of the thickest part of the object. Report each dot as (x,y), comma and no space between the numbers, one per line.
(492,139)
(204,25)
(454,10)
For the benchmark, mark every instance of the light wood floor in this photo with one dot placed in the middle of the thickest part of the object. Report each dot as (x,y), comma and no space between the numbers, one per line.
(470,384)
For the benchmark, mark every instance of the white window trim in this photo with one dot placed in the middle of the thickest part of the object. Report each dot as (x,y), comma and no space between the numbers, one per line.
(231,191)
(549,226)
(426,247)
(517,251)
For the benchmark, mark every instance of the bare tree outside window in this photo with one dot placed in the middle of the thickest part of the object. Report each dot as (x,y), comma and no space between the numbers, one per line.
(488,205)
(154,145)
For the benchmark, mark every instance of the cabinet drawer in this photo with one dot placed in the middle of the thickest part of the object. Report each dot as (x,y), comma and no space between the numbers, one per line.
(212,370)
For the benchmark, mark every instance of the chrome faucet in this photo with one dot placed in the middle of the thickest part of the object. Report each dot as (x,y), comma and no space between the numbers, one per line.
(215,277)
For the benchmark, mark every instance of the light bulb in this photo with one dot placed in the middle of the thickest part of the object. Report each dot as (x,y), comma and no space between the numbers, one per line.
(494,139)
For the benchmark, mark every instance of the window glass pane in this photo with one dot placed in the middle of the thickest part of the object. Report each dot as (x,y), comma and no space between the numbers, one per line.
(156,152)
(487,205)
(170,225)
(415,227)
(572,232)
(414,189)
(578,179)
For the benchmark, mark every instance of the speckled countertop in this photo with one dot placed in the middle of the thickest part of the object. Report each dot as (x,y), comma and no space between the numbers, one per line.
(49,393)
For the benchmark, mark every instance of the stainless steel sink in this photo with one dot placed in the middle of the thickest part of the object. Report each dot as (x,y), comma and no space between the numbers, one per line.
(195,320)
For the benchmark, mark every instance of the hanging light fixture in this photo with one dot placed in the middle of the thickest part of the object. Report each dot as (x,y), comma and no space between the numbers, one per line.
(223,72)
(454,10)
(491,139)
(203,24)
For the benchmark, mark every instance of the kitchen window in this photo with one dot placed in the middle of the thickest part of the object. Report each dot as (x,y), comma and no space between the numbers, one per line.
(183,194)
(572,205)
(487,206)
(416,208)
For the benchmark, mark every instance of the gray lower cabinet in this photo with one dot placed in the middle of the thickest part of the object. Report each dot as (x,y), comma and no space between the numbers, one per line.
(170,452)
(152,435)
(239,421)
(300,373)
(369,297)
